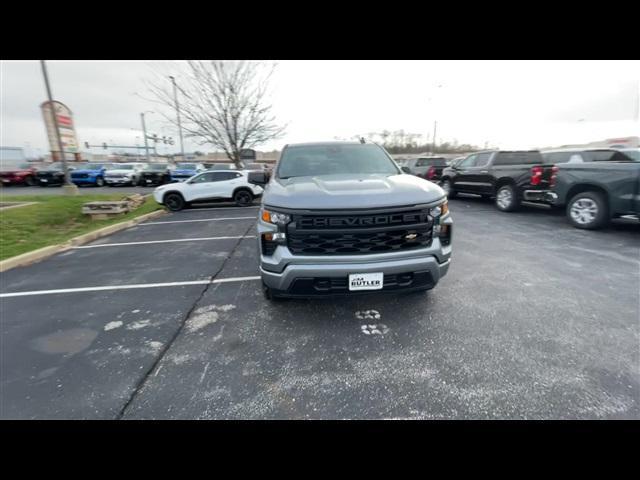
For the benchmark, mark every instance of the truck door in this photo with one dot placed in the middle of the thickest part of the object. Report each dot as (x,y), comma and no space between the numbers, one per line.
(474,175)
(462,180)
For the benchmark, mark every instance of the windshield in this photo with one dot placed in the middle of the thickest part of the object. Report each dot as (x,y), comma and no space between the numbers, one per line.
(123,167)
(94,166)
(634,154)
(186,166)
(302,161)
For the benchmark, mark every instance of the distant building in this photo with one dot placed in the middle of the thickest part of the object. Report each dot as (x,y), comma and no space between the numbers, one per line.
(10,156)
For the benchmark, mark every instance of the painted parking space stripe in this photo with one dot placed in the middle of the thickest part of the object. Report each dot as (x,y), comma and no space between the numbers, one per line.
(149,242)
(198,220)
(127,287)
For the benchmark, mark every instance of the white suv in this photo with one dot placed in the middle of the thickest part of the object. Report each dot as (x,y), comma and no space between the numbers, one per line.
(208,186)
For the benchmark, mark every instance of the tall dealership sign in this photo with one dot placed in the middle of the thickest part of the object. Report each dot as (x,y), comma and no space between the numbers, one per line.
(66,128)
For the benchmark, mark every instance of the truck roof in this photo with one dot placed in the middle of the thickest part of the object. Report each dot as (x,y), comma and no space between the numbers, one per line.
(323,144)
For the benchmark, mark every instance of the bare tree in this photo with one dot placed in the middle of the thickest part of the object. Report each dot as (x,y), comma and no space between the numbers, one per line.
(223,104)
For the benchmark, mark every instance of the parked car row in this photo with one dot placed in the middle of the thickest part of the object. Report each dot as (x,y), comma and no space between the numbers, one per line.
(111,174)
(594,185)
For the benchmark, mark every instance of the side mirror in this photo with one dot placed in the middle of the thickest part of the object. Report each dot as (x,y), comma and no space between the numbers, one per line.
(406,170)
(258,178)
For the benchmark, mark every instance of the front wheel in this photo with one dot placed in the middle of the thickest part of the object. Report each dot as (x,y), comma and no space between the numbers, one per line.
(99,182)
(506,199)
(174,202)
(588,210)
(30,181)
(243,198)
(448,188)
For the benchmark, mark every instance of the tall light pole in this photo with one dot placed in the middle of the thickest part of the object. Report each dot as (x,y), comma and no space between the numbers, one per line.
(435,124)
(68,187)
(144,132)
(175,96)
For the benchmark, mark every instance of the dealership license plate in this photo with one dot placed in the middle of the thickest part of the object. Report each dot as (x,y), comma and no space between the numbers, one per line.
(44,180)
(366,281)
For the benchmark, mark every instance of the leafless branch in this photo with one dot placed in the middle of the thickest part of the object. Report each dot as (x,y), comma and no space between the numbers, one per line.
(223,104)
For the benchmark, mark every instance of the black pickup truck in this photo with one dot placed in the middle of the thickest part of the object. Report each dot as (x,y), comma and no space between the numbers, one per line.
(593,192)
(504,175)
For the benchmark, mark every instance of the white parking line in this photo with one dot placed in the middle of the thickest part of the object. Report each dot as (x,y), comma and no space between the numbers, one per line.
(220,209)
(201,239)
(199,220)
(126,287)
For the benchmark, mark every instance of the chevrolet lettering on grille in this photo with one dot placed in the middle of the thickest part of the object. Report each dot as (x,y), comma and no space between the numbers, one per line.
(397,219)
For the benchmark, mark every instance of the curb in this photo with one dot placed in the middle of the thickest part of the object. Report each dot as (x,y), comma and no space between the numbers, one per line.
(45,252)
(25,204)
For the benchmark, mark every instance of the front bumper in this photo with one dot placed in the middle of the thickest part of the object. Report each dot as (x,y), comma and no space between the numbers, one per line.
(284,272)
(119,181)
(12,181)
(84,181)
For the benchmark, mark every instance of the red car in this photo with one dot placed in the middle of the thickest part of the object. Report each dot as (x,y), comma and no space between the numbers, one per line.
(22,174)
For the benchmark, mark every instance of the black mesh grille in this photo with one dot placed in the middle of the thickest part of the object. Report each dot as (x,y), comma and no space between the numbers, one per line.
(359,234)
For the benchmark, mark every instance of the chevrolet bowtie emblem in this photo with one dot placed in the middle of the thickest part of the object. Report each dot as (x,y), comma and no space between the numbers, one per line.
(411,236)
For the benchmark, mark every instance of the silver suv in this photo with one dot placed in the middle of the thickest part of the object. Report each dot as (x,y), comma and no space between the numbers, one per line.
(341,218)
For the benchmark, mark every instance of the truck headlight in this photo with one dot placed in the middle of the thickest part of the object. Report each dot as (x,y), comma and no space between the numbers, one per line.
(276,218)
(440,210)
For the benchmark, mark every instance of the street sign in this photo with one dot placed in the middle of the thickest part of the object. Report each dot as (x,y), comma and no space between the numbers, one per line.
(65,126)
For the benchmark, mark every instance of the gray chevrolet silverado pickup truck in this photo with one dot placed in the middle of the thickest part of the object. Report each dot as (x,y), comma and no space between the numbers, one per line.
(342,218)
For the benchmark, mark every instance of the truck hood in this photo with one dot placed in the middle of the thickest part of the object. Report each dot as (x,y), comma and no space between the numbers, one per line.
(184,172)
(90,172)
(350,191)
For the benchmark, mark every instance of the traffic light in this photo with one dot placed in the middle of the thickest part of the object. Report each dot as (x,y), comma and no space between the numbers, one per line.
(155,138)
(104,145)
(86,144)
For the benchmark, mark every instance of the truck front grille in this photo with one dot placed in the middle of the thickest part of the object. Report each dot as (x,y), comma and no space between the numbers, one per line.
(359,234)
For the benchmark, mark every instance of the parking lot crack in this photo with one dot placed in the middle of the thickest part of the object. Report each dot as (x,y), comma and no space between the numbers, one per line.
(162,352)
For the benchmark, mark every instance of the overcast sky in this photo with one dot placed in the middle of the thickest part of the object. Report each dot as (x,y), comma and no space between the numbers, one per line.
(509,104)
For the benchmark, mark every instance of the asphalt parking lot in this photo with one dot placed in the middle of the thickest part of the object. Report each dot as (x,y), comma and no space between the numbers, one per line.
(535,320)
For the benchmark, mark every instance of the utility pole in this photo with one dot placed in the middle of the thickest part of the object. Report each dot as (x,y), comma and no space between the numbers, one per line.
(435,124)
(144,132)
(175,96)
(69,188)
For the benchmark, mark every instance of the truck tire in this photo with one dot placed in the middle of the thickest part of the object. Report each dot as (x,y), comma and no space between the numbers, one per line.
(588,210)
(174,202)
(99,182)
(243,198)
(447,186)
(507,199)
